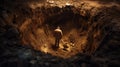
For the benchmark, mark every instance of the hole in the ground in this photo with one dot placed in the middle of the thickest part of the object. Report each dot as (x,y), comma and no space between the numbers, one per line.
(80,33)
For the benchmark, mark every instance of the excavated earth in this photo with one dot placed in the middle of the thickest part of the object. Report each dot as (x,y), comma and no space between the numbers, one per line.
(91,33)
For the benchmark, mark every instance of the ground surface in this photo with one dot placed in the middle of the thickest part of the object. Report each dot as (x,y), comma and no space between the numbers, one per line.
(26,38)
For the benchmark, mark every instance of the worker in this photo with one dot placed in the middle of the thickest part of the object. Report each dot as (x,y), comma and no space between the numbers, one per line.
(58,35)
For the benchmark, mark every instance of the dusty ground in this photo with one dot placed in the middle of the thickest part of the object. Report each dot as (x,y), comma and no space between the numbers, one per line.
(90,32)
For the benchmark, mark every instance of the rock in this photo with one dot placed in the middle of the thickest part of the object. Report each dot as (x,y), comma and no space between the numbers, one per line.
(25,54)
(2,32)
(83,65)
(33,61)
(12,33)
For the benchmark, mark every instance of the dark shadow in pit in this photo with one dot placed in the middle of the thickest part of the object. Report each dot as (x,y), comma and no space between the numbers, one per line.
(67,20)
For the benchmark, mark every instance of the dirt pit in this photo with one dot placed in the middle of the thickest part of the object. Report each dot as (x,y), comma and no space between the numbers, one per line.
(91,33)
(80,33)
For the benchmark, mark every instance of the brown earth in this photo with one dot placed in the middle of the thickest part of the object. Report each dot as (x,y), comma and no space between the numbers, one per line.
(90,29)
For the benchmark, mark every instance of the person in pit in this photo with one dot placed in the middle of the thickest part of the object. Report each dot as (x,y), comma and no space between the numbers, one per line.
(58,35)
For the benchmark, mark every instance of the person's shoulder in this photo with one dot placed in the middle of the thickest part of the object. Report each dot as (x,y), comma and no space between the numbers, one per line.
(57,30)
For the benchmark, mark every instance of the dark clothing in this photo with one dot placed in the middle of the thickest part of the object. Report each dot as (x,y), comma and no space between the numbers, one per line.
(58,36)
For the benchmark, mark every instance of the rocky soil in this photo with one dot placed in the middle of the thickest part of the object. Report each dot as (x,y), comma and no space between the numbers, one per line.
(23,23)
